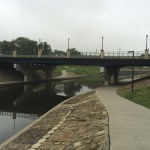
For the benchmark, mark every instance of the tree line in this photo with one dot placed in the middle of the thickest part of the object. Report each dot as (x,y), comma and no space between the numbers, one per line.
(26,46)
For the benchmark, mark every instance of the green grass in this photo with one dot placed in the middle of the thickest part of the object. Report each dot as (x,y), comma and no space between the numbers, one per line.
(85,70)
(140,96)
(58,69)
(82,70)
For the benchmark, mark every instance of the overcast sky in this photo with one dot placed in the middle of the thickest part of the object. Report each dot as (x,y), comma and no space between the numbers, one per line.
(123,23)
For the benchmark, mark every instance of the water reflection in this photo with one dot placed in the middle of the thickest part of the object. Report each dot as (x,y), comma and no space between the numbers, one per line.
(20,105)
(70,89)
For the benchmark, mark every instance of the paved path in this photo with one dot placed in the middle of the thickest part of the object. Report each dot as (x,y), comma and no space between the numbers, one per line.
(129,122)
(66,74)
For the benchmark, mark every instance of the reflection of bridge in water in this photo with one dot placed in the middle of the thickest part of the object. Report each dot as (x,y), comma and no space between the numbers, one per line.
(21,115)
(70,88)
(32,102)
(20,105)
(35,100)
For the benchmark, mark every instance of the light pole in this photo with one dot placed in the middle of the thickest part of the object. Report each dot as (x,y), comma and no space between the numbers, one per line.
(132,89)
(146,40)
(119,51)
(102,42)
(68,44)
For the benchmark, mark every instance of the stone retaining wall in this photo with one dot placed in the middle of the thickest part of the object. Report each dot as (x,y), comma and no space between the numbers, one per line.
(79,123)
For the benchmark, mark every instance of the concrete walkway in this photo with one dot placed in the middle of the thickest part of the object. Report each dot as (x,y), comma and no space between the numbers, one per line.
(129,123)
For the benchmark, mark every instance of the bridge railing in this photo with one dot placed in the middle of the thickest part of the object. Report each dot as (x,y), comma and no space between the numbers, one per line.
(110,54)
(86,55)
(107,54)
(124,54)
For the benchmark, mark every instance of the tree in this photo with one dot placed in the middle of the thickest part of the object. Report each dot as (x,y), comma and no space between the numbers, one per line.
(25,46)
(5,47)
(40,46)
(59,53)
(74,52)
(46,49)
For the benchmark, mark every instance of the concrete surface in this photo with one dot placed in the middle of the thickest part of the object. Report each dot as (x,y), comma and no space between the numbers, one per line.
(129,123)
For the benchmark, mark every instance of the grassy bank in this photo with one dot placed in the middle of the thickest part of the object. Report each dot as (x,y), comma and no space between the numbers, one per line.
(82,70)
(140,96)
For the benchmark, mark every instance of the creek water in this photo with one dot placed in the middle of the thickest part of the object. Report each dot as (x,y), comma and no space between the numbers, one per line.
(22,104)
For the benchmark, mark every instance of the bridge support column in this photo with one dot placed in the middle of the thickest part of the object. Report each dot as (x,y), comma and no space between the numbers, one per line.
(101,57)
(48,71)
(27,70)
(109,73)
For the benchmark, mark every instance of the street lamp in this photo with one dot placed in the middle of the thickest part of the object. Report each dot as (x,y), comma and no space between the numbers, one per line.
(68,44)
(119,51)
(102,42)
(132,89)
(146,40)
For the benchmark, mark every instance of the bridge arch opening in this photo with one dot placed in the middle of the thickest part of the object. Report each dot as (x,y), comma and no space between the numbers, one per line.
(39,75)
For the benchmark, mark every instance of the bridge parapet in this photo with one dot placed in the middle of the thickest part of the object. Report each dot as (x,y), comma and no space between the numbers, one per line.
(146,54)
(102,54)
(124,54)
(68,53)
(110,54)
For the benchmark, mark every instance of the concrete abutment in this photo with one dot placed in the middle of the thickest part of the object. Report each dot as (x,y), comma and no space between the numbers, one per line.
(30,70)
(30,74)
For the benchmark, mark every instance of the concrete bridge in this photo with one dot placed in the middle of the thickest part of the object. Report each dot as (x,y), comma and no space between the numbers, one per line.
(109,62)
